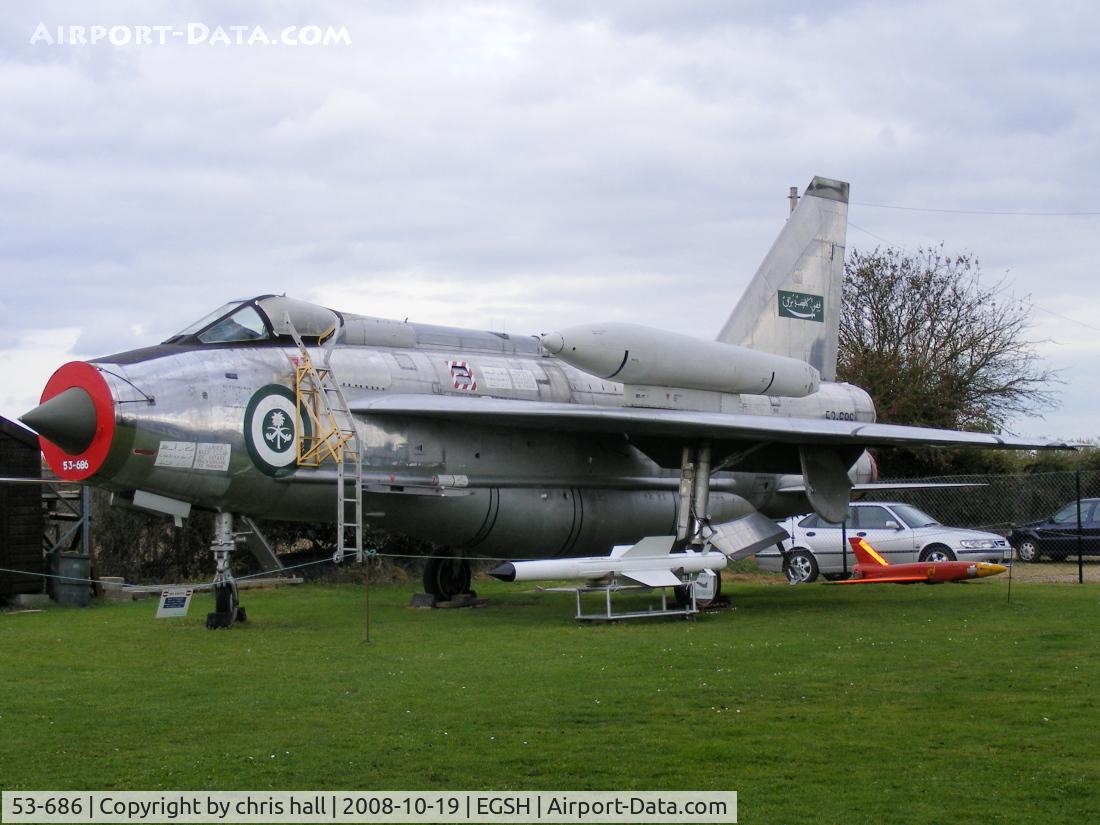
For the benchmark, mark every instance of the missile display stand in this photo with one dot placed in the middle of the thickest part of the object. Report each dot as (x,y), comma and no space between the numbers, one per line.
(227,609)
(608,614)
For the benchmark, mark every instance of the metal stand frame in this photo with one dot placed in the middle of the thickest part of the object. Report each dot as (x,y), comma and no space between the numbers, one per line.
(609,615)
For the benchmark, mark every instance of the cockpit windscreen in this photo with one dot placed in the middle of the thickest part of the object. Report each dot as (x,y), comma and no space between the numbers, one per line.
(243,325)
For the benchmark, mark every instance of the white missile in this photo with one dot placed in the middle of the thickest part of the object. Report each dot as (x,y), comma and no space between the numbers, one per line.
(650,562)
(635,354)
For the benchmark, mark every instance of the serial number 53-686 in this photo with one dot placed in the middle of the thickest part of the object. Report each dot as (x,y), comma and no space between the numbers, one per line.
(61,806)
(79,464)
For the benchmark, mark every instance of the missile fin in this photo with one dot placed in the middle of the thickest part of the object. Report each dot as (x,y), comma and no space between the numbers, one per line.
(649,546)
(653,578)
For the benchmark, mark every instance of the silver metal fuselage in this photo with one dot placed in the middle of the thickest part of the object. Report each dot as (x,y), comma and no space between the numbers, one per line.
(523,492)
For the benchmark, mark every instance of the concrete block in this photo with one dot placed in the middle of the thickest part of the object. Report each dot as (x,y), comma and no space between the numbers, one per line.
(32,601)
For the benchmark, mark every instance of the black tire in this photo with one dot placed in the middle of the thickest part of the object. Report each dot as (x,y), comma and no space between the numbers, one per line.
(225,608)
(800,566)
(937,552)
(446,577)
(1028,551)
(223,599)
(241,615)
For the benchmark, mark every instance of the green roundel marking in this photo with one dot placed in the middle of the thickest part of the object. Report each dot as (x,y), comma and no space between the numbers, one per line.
(271,429)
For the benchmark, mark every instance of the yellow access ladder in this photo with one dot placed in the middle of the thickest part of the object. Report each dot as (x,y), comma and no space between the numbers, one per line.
(333,436)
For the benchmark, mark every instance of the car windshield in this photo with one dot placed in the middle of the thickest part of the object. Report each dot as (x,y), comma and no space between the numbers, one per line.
(913,517)
(1069,513)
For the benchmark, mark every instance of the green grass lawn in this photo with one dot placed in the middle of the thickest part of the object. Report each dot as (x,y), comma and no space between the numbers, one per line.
(815,703)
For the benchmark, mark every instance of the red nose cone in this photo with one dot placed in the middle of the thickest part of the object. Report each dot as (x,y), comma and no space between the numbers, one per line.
(86,428)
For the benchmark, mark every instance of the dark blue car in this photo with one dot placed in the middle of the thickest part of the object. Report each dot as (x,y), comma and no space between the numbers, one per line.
(1056,537)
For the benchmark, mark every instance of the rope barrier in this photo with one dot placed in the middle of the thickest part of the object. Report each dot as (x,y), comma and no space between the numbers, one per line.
(369,553)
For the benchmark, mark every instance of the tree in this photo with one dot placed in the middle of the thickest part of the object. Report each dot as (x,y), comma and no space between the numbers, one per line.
(936,347)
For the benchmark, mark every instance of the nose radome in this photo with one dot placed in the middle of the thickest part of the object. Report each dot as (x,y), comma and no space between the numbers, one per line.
(68,420)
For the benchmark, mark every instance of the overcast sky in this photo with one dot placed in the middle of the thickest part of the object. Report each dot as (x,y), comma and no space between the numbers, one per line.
(524,166)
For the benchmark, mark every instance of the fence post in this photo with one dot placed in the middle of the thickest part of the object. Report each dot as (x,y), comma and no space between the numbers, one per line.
(1080,557)
(844,545)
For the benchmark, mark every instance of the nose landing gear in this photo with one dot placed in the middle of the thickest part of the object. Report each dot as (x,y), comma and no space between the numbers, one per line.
(227,608)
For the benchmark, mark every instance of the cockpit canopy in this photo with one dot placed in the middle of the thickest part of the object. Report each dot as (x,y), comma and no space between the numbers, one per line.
(266,318)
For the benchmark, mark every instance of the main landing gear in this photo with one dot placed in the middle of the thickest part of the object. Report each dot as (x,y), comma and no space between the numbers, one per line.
(447,577)
(691,520)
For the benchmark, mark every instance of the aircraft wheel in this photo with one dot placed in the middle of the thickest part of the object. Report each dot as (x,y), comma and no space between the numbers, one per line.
(708,587)
(937,552)
(447,577)
(225,608)
(1027,551)
(801,567)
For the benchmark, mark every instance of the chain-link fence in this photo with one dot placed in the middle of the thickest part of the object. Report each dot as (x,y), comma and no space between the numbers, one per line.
(1038,511)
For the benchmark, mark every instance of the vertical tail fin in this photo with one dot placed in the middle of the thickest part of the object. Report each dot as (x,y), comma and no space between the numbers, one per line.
(792,305)
(866,554)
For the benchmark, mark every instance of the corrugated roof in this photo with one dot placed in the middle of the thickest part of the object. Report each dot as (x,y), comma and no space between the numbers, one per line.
(17,431)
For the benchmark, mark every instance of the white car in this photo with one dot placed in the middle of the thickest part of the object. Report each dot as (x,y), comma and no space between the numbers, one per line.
(900,532)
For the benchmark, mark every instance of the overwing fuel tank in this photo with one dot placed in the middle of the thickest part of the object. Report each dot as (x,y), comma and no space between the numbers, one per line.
(634,354)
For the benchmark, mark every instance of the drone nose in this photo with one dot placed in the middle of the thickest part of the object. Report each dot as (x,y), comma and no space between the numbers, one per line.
(989,569)
(68,420)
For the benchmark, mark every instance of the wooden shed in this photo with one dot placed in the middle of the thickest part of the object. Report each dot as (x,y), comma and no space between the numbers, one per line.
(20,511)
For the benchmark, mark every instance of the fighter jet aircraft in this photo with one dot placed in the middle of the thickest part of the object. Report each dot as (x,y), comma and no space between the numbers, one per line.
(492,444)
(871,568)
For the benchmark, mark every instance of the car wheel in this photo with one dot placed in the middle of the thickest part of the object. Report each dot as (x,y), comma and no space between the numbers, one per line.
(800,567)
(937,552)
(1027,551)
